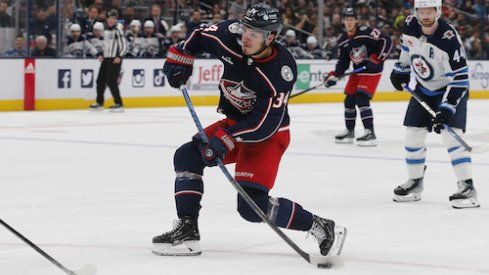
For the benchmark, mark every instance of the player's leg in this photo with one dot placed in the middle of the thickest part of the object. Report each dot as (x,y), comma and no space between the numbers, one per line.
(415,151)
(101,84)
(256,170)
(184,238)
(348,134)
(417,121)
(367,84)
(350,115)
(112,82)
(466,195)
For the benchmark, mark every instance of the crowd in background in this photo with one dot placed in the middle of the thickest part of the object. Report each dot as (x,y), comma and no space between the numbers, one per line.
(151,27)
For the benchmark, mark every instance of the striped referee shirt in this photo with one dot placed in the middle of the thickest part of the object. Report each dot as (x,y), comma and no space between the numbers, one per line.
(115,44)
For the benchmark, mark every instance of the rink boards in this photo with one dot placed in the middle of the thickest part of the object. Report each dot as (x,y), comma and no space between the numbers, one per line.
(51,84)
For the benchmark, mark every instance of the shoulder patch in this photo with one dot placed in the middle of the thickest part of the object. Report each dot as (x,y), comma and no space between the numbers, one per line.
(287,73)
(409,19)
(235,28)
(448,35)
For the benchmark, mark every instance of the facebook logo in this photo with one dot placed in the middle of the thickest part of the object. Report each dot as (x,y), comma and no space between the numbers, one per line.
(138,78)
(86,78)
(158,78)
(64,79)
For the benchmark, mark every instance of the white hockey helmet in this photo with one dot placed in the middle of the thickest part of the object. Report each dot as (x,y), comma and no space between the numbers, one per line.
(99,26)
(428,4)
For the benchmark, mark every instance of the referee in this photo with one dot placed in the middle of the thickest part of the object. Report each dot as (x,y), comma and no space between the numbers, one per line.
(115,47)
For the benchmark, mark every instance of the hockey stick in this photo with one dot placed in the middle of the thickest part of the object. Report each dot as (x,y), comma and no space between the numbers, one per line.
(322,83)
(319,261)
(88,269)
(462,142)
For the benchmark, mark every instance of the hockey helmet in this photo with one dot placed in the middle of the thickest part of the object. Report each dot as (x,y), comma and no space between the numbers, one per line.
(264,18)
(428,4)
(349,11)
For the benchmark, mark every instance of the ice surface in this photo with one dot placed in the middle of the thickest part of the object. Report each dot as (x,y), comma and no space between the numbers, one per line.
(96,187)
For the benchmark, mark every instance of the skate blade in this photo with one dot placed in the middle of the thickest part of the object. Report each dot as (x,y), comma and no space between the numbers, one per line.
(344,141)
(408,198)
(339,241)
(96,109)
(187,248)
(117,111)
(326,261)
(465,203)
(366,143)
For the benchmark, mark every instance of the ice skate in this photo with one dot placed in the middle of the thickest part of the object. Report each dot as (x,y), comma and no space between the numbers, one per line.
(346,137)
(182,240)
(116,108)
(466,197)
(96,107)
(330,237)
(409,191)
(367,139)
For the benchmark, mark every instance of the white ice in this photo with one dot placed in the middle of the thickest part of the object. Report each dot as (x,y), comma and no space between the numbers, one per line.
(96,187)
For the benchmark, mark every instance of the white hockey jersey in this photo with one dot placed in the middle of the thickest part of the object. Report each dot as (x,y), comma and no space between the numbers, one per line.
(438,61)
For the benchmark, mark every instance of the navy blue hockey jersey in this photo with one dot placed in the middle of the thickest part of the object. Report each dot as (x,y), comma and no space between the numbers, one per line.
(253,92)
(360,47)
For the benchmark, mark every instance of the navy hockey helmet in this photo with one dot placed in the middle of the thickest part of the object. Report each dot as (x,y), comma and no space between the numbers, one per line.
(264,18)
(349,11)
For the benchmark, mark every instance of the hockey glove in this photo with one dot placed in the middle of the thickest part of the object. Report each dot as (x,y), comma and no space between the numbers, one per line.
(374,64)
(331,79)
(178,66)
(400,76)
(219,145)
(443,115)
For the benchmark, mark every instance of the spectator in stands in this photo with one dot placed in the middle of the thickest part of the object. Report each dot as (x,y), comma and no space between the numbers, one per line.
(39,25)
(97,37)
(330,42)
(290,39)
(134,40)
(313,49)
(86,23)
(160,25)
(5,18)
(129,15)
(151,43)
(195,21)
(42,49)
(18,50)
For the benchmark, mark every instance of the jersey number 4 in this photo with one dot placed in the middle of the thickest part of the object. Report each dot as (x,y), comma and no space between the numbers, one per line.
(457,56)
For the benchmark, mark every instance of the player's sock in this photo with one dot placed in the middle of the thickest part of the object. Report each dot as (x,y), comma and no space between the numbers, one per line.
(189,189)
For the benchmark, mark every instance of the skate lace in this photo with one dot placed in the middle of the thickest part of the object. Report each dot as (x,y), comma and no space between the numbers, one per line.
(408,184)
(177,225)
(317,232)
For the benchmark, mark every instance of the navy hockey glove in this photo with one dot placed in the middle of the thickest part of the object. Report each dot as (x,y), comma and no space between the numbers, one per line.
(443,116)
(219,145)
(331,79)
(374,64)
(178,66)
(400,76)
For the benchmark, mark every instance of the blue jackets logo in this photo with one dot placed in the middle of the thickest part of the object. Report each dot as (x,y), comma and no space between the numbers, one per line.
(138,78)
(158,78)
(64,79)
(86,78)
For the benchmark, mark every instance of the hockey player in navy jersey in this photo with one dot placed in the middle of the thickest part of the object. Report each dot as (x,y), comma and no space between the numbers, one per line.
(363,46)
(434,51)
(258,77)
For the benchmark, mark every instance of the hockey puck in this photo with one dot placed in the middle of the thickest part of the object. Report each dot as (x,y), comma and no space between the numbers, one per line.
(324,265)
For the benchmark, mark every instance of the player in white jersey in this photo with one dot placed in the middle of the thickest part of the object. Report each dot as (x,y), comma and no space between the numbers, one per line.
(432,49)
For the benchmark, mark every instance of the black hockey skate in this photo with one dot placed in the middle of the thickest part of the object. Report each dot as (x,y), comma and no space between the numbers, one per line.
(330,237)
(116,108)
(367,139)
(182,240)
(96,107)
(409,191)
(346,136)
(466,197)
